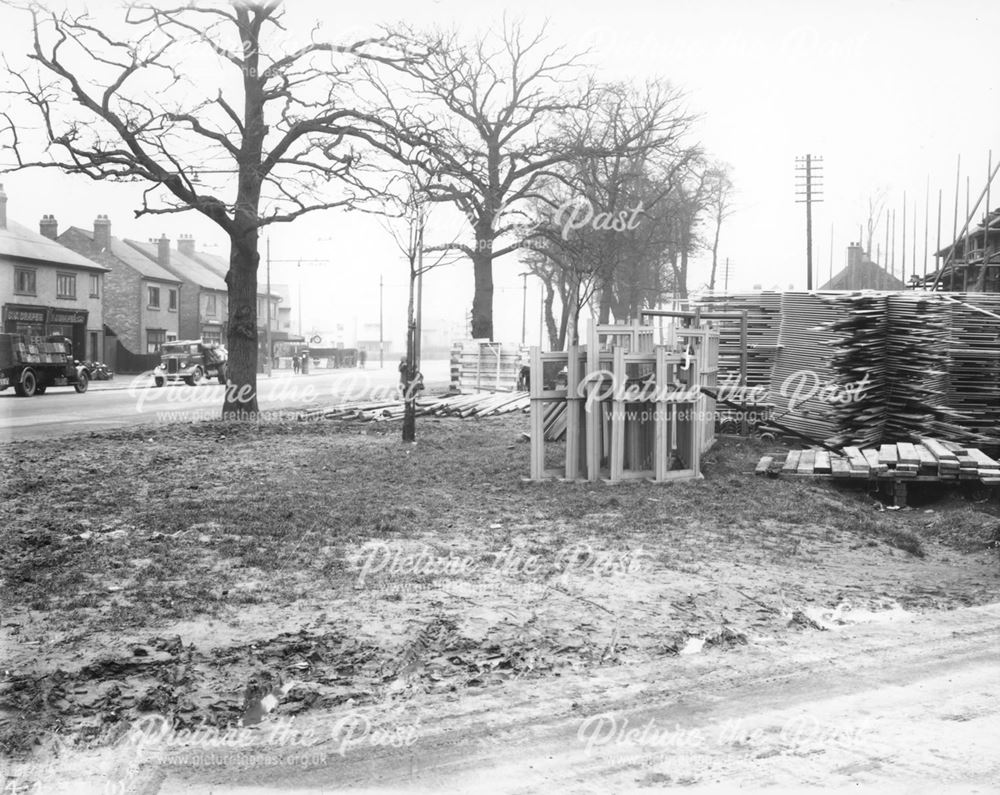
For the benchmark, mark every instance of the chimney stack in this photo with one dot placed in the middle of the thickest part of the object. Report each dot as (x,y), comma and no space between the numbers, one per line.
(102,232)
(3,208)
(185,245)
(48,227)
(854,252)
(163,251)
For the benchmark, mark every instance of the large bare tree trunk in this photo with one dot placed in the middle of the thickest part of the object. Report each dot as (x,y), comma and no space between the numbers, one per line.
(482,301)
(241,391)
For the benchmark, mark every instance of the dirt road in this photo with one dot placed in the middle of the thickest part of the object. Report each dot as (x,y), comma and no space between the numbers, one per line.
(909,704)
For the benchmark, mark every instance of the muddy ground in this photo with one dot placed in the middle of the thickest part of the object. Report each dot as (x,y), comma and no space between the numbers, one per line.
(215,576)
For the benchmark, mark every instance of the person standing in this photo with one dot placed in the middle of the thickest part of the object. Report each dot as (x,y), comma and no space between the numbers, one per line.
(295,363)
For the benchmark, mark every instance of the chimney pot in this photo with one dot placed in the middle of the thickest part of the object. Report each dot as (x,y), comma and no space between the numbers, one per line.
(102,232)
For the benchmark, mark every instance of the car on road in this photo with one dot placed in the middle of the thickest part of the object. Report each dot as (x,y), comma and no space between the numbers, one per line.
(191,361)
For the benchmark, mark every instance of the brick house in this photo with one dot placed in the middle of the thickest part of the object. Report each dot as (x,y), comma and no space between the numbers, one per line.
(46,288)
(204,296)
(141,299)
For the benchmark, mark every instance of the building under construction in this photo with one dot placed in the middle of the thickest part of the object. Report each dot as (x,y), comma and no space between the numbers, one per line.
(971,263)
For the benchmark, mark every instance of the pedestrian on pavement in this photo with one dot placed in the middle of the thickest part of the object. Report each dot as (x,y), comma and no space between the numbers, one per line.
(295,363)
(362,356)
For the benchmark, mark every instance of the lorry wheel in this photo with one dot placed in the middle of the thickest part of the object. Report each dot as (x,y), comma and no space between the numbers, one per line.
(82,383)
(195,378)
(158,382)
(28,384)
(222,374)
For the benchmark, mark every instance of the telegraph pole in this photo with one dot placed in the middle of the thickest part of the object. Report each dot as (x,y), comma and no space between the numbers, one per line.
(381,341)
(267,328)
(809,189)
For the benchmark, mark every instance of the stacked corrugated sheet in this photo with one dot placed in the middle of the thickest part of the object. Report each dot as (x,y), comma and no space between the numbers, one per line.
(805,365)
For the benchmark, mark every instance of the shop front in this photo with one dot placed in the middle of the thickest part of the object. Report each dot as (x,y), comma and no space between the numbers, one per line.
(42,321)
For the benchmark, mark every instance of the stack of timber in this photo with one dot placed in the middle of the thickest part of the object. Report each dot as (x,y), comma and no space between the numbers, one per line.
(973,381)
(925,460)
(857,393)
(917,355)
(481,405)
(804,365)
(763,324)
(481,365)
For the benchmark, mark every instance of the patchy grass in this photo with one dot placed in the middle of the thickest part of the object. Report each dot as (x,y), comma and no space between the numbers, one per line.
(171,568)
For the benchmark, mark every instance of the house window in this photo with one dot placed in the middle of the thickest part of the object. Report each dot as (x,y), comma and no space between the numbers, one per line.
(95,285)
(155,337)
(154,297)
(171,337)
(24,281)
(66,285)
(210,305)
(172,300)
(212,336)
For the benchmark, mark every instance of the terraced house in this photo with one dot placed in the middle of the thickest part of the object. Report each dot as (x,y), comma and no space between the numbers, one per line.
(204,296)
(46,288)
(141,299)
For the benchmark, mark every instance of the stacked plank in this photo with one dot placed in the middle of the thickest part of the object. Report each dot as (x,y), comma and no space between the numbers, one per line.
(925,460)
(479,365)
(917,356)
(973,381)
(763,326)
(857,391)
(804,364)
(482,405)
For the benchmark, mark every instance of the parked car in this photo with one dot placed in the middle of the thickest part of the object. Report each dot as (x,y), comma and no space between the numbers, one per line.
(191,361)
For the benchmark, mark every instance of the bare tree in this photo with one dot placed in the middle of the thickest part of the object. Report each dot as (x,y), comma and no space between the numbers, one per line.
(605,226)
(719,207)
(876,204)
(486,121)
(258,144)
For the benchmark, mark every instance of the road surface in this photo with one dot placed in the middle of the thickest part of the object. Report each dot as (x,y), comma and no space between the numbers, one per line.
(133,400)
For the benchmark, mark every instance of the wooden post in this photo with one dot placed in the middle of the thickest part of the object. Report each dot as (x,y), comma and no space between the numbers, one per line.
(537,416)
(616,456)
(574,425)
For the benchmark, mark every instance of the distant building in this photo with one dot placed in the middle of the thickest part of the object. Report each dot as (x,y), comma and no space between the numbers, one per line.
(141,299)
(971,263)
(369,342)
(46,288)
(862,274)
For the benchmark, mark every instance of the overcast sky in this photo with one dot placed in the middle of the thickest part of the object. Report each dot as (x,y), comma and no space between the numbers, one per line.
(889,93)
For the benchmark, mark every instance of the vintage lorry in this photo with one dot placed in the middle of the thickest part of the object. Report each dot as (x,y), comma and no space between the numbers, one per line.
(33,364)
(191,361)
